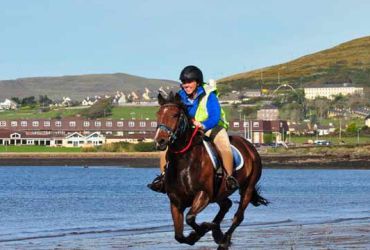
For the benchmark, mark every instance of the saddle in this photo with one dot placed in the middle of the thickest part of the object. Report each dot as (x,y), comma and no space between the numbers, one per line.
(238,161)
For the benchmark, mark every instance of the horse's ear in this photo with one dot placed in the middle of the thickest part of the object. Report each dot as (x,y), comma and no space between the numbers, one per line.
(161,99)
(171,97)
(178,99)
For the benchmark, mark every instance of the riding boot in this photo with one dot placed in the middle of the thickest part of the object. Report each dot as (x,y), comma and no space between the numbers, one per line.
(158,184)
(231,183)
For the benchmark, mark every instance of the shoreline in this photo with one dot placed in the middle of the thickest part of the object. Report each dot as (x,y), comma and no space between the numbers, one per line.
(151,159)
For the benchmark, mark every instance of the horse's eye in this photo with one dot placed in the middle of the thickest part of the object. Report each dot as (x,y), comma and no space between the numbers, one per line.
(176,116)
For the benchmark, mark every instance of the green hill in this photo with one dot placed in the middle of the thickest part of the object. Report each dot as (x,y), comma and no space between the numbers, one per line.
(348,62)
(79,86)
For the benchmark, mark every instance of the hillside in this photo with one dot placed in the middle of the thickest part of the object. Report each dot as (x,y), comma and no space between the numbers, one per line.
(79,86)
(347,62)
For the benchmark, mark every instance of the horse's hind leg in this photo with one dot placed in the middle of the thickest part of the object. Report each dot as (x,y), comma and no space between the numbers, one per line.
(201,200)
(245,198)
(225,205)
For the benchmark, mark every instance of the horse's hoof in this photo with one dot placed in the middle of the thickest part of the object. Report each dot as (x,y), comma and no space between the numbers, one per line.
(225,243)
(217,235)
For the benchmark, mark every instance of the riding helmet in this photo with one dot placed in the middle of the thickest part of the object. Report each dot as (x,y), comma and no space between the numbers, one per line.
(191,73)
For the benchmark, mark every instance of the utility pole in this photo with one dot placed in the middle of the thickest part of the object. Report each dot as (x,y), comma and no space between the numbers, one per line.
(245,128)
(358,136)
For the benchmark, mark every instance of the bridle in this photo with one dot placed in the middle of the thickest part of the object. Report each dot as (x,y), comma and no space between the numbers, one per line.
(182,126)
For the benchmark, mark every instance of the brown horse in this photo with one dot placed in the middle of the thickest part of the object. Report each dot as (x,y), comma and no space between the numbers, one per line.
(190,175)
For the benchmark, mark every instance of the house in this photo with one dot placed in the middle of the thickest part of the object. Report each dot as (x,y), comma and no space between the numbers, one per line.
(268,113)
(329,91)
(257,130)
(8,104)
(9,137)
(367,121)
(66,101)
(253,93)
(324,129)
(89,101)
(78,140)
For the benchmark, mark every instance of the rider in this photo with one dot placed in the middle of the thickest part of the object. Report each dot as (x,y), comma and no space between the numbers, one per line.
(203,106)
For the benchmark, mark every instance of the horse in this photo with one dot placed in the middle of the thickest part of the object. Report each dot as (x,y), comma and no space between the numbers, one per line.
(190,175)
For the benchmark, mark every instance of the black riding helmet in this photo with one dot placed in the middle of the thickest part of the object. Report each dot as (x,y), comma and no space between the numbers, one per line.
(191,73)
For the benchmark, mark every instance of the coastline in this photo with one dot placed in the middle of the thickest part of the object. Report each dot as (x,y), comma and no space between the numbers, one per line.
(151,159)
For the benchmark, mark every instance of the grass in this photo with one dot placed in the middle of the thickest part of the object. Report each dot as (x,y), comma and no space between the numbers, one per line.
(352,150)
(333,139)
(35,114)
(33,148)
(349,60)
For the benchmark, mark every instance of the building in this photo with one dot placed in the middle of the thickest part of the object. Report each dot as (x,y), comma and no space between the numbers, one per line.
(78,132)
(268,113)
(8,104)
(367,121)
(332,90)
(253,93)
(258,131)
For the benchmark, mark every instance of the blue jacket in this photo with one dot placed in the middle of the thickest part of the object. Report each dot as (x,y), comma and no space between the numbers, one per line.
(213,107)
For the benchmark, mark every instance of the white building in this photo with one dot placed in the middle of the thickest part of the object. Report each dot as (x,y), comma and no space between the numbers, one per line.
(78,140)
(367,121)
(8,104)
(332,90)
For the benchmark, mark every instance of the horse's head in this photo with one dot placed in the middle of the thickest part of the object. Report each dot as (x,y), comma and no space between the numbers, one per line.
(171,120)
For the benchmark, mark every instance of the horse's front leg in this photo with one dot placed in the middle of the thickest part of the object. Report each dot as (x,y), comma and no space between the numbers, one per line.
(178,222)
(200,201)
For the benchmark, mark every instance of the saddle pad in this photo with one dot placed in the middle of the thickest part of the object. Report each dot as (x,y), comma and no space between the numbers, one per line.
(237,156)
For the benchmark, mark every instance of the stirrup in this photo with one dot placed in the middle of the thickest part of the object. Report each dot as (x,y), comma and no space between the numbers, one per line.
(157,184)
(231,183)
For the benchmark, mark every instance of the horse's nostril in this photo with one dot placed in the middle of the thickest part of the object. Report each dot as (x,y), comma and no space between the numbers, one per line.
(161,141)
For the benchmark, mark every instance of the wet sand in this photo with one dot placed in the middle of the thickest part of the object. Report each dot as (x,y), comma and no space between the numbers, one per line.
(346,234)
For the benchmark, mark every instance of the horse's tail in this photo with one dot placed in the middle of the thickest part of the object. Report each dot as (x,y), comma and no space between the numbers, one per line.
(257,199)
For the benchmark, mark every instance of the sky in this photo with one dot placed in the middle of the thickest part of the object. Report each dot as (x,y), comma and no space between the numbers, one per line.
(157,38)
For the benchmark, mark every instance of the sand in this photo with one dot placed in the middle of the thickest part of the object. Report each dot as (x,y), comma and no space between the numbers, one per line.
(346,234)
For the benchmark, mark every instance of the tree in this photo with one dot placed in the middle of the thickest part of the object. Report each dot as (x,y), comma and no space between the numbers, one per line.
(28,101)
(102,108)
(16,99)
(44,100)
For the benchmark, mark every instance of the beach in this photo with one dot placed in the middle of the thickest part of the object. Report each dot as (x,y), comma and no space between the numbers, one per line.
(347,234)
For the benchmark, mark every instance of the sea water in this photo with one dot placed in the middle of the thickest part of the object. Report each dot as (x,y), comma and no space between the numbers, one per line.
(46,202)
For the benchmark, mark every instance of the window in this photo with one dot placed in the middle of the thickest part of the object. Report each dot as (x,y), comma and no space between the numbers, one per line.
(246,124)
(97,123)
(46,123)
(2,123)
(142,124)
(256,124)
(35,123)
(86,123)
(120,124)
(153,124)
(24,123)
(14,123)
(131,124)
(15,135)
(72,124)
(58,123)
(108,124)
(236,124)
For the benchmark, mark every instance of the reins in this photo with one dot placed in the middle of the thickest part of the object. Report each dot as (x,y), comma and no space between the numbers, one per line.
(189,144)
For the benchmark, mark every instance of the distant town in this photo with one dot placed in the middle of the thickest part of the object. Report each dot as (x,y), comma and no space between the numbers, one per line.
(256,114)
